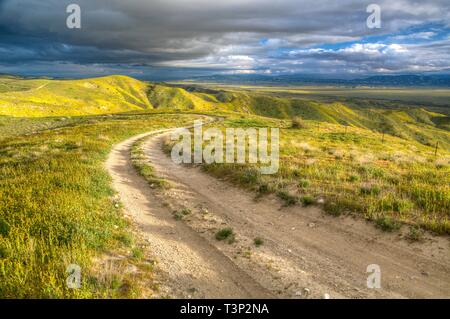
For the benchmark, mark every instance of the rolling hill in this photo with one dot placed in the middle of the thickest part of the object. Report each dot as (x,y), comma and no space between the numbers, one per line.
(57,205)
(401,120)
(38,97)
(117,94)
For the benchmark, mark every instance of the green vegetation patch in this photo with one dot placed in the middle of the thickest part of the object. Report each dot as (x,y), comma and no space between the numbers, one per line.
(57,207)
(224,233)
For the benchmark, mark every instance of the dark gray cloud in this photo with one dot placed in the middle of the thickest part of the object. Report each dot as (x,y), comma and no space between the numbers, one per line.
(234,35)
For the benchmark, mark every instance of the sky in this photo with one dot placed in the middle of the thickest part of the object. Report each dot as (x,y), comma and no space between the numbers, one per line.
(170,39)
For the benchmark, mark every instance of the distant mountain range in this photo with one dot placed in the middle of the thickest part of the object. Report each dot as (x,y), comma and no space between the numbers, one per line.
(406,80)
(442,80)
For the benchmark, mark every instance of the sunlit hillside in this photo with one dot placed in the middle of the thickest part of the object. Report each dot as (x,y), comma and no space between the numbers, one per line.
(116,94)
(41,97)
(384,161)
(397,119)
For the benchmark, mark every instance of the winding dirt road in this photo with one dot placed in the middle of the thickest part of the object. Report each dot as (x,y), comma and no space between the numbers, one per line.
(305,253)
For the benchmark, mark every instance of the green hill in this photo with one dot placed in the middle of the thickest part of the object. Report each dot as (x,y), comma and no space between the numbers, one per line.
(400,120)
(116,94)
(37,97)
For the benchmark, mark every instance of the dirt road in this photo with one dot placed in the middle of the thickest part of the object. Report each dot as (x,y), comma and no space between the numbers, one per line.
(305,253)
(190,266)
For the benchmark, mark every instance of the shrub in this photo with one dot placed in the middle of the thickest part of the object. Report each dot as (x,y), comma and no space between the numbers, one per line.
(303,183)
(288,199)
(297,123)
(387,224)
(258,241)
(415,234)
(224,233)
(263,188)
(339,206)
(333,208)
(179,215)
(4,228)
(296,173)
(3,252)
(250,177)
(308,200)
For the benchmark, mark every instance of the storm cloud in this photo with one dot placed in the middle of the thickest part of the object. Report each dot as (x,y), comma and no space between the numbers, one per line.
(233,36)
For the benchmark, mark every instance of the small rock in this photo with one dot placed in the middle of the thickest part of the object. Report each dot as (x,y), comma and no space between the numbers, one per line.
(326,296)
(424,273)
(289,251)
(320,201)
(311,225)
(298,293)
(116,205)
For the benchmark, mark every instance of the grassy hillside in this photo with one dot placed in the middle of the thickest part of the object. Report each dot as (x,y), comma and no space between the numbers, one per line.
(396,119)
(350,170)
(411,95)
(57,208)
(363,157)
(377,158)
(33,98)
(115,94)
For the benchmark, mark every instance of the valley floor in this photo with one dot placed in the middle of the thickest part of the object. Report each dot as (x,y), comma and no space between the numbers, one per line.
(303,253)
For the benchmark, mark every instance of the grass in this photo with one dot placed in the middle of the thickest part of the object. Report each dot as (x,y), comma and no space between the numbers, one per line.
(355,170)
(137,253)
(57,207)
(365,157)
(115,94)
(141,164)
